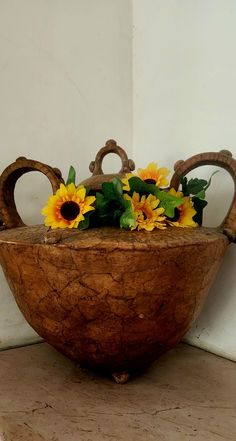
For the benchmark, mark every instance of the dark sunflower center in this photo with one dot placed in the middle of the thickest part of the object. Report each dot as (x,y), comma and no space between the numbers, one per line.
(70,210)
(150,181)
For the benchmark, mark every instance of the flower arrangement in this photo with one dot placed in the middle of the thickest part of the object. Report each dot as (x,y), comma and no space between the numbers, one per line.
(138,201)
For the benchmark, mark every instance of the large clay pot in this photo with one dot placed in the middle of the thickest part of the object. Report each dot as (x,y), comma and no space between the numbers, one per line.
(110,299)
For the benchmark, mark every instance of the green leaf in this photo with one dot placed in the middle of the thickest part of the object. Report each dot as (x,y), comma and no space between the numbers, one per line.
(201,194)
(108,190)
(102,204)
(199,205)
(184,183)
(196,185)
(127,219)
(118,185)
(113,190)
(108,211)
(88,189)
(113,193)
(117,215)
(141,187)
(169,202)
(84,224)
(71,176)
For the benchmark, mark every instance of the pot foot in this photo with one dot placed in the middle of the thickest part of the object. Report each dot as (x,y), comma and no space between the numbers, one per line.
(121,377)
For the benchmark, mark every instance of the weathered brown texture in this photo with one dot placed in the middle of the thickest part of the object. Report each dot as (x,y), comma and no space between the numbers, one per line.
(109,298)
(8,212)
(112,299)
(97,178)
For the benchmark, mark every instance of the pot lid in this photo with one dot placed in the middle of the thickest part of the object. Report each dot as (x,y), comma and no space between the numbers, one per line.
(111,238)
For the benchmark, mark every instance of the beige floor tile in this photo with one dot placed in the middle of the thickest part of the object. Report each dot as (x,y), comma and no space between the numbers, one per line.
(186,395)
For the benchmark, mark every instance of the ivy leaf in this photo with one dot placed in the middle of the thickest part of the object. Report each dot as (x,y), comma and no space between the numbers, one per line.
(141,187)
(71,176)
(196,185)
(118,185)
(113,191)
(109,204)
(108,190)
(127,219)
(169,202)
(102,205)
(199,205)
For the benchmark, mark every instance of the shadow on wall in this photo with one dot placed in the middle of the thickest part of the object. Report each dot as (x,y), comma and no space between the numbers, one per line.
(15,331)
(218,315)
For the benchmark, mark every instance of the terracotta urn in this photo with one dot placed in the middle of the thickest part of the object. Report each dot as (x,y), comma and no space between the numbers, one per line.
(109,299)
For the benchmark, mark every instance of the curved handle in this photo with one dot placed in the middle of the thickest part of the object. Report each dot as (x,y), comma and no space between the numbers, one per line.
(111,147)
(222,159)
(8,212)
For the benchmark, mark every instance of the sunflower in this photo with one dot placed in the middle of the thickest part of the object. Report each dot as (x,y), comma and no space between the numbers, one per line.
(185,212)
(151,175)
(146,213)
(66,208)
(154,175)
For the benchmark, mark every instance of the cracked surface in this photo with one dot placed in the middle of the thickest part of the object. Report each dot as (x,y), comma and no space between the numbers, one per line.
(111,299)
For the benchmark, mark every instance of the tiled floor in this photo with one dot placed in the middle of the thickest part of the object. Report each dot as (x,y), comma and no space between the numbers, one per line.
(187,394)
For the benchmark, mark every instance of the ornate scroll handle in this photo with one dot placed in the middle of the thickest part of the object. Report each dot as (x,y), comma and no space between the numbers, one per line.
(222,159)
(8,179)
(111,147)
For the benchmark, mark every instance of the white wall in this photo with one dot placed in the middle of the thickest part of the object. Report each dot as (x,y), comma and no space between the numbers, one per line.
(184,103)
(65,87)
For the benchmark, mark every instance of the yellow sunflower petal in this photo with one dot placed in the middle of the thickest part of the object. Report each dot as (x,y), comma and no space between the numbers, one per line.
(89,200)
(160,210)
(136,197)
(62,191)
(153,201)
(152,167)
(173,192)
(71,188)
(81,193)
(162,180)
(186,214)
(125,181)
(163,171)
(88,208)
